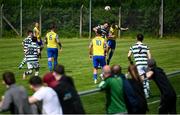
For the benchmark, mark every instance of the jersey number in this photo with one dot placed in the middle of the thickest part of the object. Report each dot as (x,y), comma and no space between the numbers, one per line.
(140,50)
(50,37)
(98,42)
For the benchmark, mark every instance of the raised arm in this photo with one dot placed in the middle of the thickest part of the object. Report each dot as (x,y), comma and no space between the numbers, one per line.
(124,29)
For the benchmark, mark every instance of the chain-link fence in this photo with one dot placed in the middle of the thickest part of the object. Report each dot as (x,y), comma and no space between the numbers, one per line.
(137,17)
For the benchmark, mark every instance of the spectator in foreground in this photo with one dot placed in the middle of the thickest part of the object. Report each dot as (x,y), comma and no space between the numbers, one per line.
(137,85)
(129,93)
(15,99)
(50,80)
(168,94)
(114,92)
(66,91)
(47,95)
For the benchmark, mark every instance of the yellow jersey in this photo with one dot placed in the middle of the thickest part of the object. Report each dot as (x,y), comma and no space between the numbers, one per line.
(36,33)
(113,32)
(98,46)
(51,39)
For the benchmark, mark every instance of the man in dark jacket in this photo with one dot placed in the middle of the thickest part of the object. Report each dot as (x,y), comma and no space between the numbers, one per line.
(168,94)
(15,98)
(66,91)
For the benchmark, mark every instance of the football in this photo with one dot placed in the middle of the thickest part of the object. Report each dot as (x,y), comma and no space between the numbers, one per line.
(107,8)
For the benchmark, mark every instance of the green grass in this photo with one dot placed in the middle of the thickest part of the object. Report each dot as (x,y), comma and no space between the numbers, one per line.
(75,59)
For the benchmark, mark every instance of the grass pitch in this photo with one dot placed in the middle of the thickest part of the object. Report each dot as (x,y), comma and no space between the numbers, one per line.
(77,64)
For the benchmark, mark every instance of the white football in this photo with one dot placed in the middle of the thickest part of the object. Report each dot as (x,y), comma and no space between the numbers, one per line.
(107,8)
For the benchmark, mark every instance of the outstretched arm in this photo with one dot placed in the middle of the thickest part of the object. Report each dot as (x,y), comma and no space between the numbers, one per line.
(147,75)
(120,28)
(124,29)
(32,100)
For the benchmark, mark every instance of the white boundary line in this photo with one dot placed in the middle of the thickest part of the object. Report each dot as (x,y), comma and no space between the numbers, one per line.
(153,102)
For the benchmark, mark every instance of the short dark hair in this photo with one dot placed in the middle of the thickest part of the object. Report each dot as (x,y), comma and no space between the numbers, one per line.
(106,22)
(34,39)
(99,31)
(9,78)
(35,81)
(52,26)
(29,31)
(59,69)
(140,37)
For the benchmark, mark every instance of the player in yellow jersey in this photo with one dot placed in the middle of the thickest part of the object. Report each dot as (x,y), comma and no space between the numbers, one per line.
(36,33)
(52,41)
(113,34)
(97,50)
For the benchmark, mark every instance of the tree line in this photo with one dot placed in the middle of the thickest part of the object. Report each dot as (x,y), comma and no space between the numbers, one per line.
(138,15)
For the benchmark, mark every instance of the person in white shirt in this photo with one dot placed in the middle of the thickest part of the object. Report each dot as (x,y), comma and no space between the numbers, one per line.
(47,95)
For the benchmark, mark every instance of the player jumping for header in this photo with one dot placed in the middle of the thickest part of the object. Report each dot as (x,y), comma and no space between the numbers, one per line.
(113,34)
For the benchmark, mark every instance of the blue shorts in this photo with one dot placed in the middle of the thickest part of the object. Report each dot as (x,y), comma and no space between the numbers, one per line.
(111,43)
(40,43)
(99,60)
(52,52)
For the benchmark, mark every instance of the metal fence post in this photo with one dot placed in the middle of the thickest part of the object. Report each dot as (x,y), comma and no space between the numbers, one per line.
(90,5)
(81,23)
(161,19)
(40,20)
(1,32)
(21,18)
(119,32)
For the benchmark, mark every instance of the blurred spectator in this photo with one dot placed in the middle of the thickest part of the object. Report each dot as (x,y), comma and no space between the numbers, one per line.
(47,95)
(129,94)
(114,92)
(15,98)
(66,91)
(50,80)
(137,85)
(168,94)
